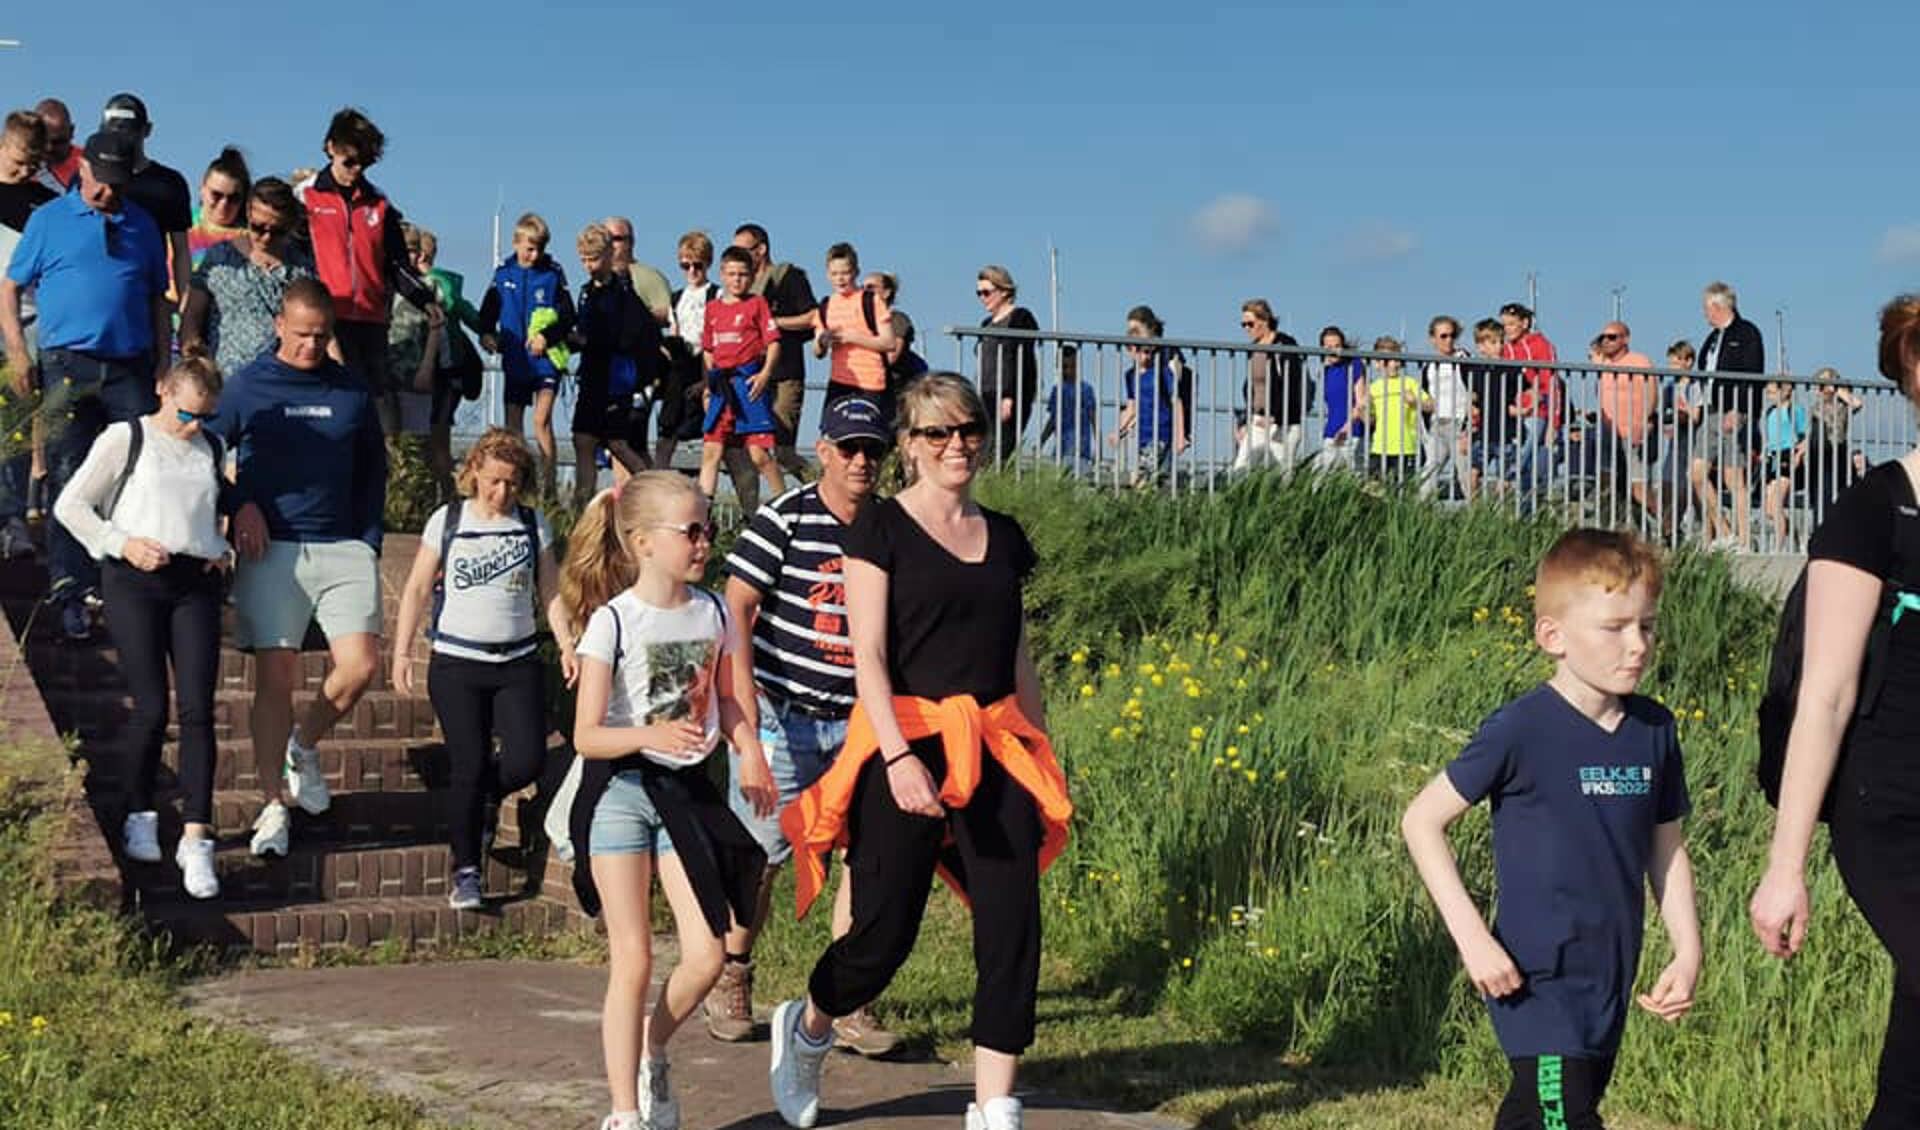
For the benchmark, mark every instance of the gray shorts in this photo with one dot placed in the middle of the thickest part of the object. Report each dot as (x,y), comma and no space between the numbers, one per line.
(336,583)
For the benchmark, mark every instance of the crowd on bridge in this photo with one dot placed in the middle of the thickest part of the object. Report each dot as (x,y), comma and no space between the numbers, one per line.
(866,667)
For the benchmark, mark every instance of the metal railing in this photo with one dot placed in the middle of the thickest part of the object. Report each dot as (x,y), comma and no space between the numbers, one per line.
(1742,462)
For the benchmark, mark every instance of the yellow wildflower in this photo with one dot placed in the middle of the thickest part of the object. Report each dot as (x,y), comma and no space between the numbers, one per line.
(1086,690)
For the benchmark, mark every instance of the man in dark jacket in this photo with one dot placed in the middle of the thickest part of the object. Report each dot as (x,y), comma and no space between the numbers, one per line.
(1725,436)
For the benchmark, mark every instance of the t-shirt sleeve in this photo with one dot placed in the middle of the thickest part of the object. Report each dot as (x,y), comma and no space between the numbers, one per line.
(1674,801)
(177,214)
(597,640)
(543,531)
(1487,762)
(434,530)
(1022,319)
(706,328)
(759,551)
(797,292)
(1025,558)
(870,538)
(1858,527)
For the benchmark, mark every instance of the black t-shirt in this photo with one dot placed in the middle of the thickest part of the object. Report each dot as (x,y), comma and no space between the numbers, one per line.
(165,195)
(952,627)
(1277,383)
(1859,531)
(1009,365)
(789,296)
(17,202)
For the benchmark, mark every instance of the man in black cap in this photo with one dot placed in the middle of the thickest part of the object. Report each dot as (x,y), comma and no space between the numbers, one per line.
(789,607)
(101,271)
(162,191)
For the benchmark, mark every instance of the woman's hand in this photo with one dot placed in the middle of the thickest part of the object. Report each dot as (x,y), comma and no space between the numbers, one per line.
(913,788)
(402,675)
(145,554)
(756,783)
(681,738)
(569,666)
(1779,911)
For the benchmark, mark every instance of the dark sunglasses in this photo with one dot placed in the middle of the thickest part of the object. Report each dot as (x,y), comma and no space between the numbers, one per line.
(1248,323)
(873,449)
(939,435)
(1609,337)
(982,292)
(1444,335)
(619,239)
(694,531)
(186,417)
(358,162)
(691,266)
(268,231)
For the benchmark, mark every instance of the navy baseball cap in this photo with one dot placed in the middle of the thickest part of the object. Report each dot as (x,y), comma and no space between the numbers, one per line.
(111,154)
(854,417)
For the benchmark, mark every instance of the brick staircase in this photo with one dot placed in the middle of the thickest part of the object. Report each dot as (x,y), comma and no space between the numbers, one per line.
(372,869)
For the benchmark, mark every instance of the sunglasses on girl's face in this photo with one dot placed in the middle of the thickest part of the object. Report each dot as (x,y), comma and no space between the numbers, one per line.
(694,531)
(983,292)
(186,417)
(873,449)
(939,435)
(269,231)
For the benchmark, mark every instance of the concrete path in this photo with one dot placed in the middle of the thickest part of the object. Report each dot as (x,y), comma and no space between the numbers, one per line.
(516,1045)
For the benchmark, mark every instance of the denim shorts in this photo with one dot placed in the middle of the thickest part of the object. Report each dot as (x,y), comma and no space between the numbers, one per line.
(799,748)
(625,821)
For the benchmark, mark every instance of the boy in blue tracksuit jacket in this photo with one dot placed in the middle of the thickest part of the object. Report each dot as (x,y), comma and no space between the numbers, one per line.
(531,360)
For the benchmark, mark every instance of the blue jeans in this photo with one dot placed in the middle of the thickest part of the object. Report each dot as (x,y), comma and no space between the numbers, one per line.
(1533,459)
(799,748)
(80,395)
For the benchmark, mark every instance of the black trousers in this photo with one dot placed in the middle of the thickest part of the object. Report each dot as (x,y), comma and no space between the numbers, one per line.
(996,847)
(169,615)
(1876,813)
(477,701)
(1552,1091)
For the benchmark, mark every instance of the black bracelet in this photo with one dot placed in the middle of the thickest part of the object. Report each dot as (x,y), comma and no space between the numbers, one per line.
(898,757)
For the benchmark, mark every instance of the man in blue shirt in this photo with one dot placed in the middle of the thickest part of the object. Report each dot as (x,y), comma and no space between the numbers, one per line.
(1072,408)
(309,487)
(100,271)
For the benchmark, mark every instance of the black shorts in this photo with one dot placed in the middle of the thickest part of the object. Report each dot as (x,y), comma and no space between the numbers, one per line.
(679,409)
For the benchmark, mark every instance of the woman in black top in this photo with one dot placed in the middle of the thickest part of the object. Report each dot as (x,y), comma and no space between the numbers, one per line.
(934,610)
(1868,547)
(1009,370)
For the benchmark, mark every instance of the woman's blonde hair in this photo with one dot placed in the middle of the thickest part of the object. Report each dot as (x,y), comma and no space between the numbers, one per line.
(599,565)
(495,443)
(699,245)
(930,397)
(198,370)
(999,278)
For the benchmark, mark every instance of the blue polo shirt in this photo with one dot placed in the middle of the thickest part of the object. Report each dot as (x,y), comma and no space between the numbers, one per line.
(1574,810)
(97,275)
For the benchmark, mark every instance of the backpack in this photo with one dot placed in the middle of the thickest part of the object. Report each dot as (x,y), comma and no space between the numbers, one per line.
(1782,697)
(137,440)
(450,529)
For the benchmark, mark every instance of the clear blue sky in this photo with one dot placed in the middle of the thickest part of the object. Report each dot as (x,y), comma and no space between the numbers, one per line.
(1390,161)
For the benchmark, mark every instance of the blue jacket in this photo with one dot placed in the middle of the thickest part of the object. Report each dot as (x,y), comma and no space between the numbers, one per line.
(516,292)
(310,452)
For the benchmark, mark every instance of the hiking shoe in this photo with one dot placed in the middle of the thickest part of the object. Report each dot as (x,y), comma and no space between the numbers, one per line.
(795,1070)
(270,831)
(75,624)
(304,779)
(465,894)
(861,1034)
(999,1114)
(141,836)
(729,1004)
(195,860)
(658,1110)
(15,541)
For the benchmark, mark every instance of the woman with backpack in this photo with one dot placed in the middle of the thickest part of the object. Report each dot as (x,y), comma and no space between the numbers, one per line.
(486,562)
(146,503)
(1860,768)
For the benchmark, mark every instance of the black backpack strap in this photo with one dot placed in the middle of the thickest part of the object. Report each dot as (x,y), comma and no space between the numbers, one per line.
(530,529)
(136,439)
(449,527)
(1905,579)
(822,309)
(867,308)
(619,647)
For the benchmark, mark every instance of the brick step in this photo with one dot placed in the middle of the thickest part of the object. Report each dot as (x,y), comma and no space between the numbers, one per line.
(286,929)
(326,873)
(351,766)
(100,715)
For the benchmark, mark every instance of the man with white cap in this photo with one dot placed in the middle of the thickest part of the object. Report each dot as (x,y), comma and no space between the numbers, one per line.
(162,191)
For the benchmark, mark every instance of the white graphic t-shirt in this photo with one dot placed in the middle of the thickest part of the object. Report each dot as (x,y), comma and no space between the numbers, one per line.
(666,663)
(488,581)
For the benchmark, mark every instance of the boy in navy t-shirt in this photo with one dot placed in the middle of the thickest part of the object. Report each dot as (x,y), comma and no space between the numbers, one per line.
(1585,782)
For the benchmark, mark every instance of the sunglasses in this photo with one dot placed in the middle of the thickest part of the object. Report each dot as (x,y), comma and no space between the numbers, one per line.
(268,231)
(357,162)
(1609,337)
(694,531)
(873,449)
(982,292)
(622,239)
(186,417)
(939,435)
(1248,323)
(1444,335)
(691,266)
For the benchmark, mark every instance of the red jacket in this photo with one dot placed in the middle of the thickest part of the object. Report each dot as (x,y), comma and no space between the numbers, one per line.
(1534,346)
(359,250)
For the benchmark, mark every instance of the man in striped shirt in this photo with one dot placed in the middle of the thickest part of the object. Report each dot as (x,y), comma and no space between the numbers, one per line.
(789,612)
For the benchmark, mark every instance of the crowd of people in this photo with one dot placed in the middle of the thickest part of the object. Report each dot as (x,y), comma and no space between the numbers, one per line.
(866,669)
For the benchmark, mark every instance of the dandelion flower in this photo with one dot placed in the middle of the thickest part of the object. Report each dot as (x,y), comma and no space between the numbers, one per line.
(1078,657)
(1158,680)
(1086,690)
(1243,728)
(1197,733)
(1186,963)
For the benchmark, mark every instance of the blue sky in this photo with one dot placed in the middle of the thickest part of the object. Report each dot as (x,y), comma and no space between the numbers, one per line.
(1362,163)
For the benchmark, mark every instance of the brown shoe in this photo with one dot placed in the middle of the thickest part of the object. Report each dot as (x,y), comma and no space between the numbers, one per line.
(862,1034)
(729,1004)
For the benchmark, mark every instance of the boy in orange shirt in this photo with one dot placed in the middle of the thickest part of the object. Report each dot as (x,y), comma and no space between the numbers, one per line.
(857,328)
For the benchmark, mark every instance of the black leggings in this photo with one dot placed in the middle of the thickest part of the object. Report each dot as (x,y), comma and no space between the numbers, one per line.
(476,701)
(172,614)
(1554,1091)
(892,856)
(1879,857)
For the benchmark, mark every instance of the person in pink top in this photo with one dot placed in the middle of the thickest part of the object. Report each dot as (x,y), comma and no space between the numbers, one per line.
(1629,403)
(1540,426)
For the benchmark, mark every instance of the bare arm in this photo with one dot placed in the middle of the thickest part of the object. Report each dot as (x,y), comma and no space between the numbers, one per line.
(19,363)
(1026,684)
(1424,826)
(739,720)
(1670,873)
(179,271)
(193,319)
(413,596)
(743,611)
(911,782)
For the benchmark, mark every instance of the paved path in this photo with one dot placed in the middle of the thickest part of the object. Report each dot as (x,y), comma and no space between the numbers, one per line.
(517,1044)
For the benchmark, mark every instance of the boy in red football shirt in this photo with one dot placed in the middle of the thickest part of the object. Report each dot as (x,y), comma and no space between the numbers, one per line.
(739,346)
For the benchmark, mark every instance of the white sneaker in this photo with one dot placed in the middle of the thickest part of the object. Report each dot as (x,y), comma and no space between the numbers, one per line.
(195,860)
(621,1122)
(270,830)
(304,780)
(141,836)
(658,1110)
(795,1072)
(999,1114)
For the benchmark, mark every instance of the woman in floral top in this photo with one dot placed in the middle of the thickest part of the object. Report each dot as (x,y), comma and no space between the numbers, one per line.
(237,287)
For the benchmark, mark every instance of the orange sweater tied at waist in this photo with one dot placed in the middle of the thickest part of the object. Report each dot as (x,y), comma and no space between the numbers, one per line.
(816,822)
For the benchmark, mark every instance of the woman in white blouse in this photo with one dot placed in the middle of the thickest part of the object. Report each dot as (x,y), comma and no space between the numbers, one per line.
(149,510)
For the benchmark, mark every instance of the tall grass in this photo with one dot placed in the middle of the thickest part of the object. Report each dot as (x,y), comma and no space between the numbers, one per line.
(1246,690)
